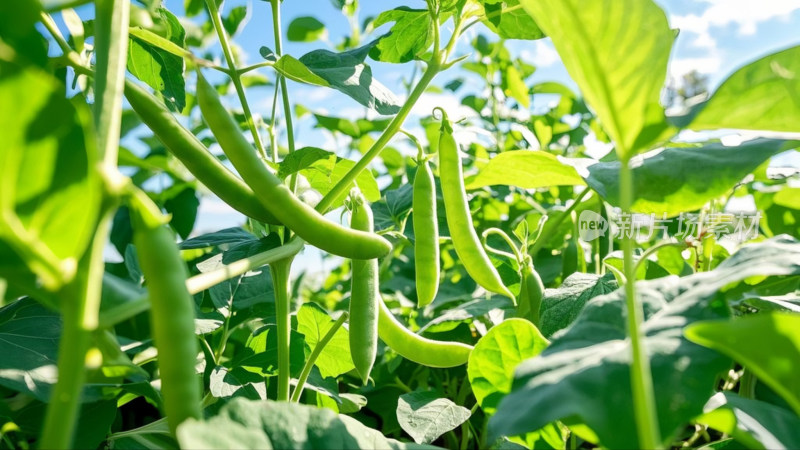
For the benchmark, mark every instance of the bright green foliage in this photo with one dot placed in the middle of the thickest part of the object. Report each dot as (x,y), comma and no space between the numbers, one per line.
(525,169)
(617,52)
(770,87)
(305,29)
(741,339)
(425,415)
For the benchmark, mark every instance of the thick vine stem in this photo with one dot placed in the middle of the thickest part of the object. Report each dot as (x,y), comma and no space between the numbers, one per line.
(641,377)
(298,390)
(282,287)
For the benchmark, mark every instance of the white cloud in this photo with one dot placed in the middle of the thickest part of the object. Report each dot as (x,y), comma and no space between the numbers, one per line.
(705,64)
(746,14)
(543,54)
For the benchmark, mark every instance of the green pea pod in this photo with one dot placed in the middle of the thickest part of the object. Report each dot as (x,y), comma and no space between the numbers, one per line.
(426,234)
(529,301)
(459,220)
(299,217)
(416,348)
(194,155)
(364,297)
(171,317)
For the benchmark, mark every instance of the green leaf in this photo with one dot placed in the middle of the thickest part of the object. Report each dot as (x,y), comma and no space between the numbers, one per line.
(680,179)
(50,188)
(347,73)
(495,357)
(586,368)
(236,382)
(744,339)
(261,353)
(268,424)
(756,424)
(510,21)
(426,415)
(526,169)
(410,36)
(153,436)
(235,20)
(763,95)
(325,173)
(562,305)
(515,87)
(617,53)
(306,29)
(29,335)
(160,69)
(314,323)
(293,69)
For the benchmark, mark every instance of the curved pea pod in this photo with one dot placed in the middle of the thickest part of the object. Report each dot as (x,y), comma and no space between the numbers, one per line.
(459,220)
(428,352)
(364,298)
(426,234)
(276,197)
(529,301)
(172,319)
(194,155)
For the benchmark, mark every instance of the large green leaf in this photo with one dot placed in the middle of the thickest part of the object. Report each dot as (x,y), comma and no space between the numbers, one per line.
(314,324)
(410,36)
(49,190)
(509,20)
(756,424)
(744,339)
(763,95)
(617,53)
(267,425)
(346,72)
(492,362)
(305,29)
(29,335)
(159,68)
(426,415)
(680,179)
(526,169)
(562,305)
(587,367)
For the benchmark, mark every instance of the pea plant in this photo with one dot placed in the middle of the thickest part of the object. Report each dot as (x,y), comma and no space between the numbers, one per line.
(488,280)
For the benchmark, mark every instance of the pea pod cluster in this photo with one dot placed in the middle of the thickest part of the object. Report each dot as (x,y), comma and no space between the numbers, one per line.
(276,197)
(194,155)
(459,220)
(171,317)
(426,234)
(364,296)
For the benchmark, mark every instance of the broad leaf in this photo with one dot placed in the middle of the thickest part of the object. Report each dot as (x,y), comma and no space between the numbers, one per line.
(681,179)
(160,69)
(587,367)
(314,323)
(305,29)
(617,53)
(755,424)
(495,357)
(426,415)
(509,20)
(261,355)
(743,339)
(526,169)
(29,335)
(409,37)
(267,425)
(562,305)
(49,187)
(237,382)
(762,95)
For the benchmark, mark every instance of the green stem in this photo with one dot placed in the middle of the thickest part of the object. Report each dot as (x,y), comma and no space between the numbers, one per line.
(641,377)
(394,126)
(654,249)
(216,18)
(552,226)
(287,108)
(298,390)
(280,281)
